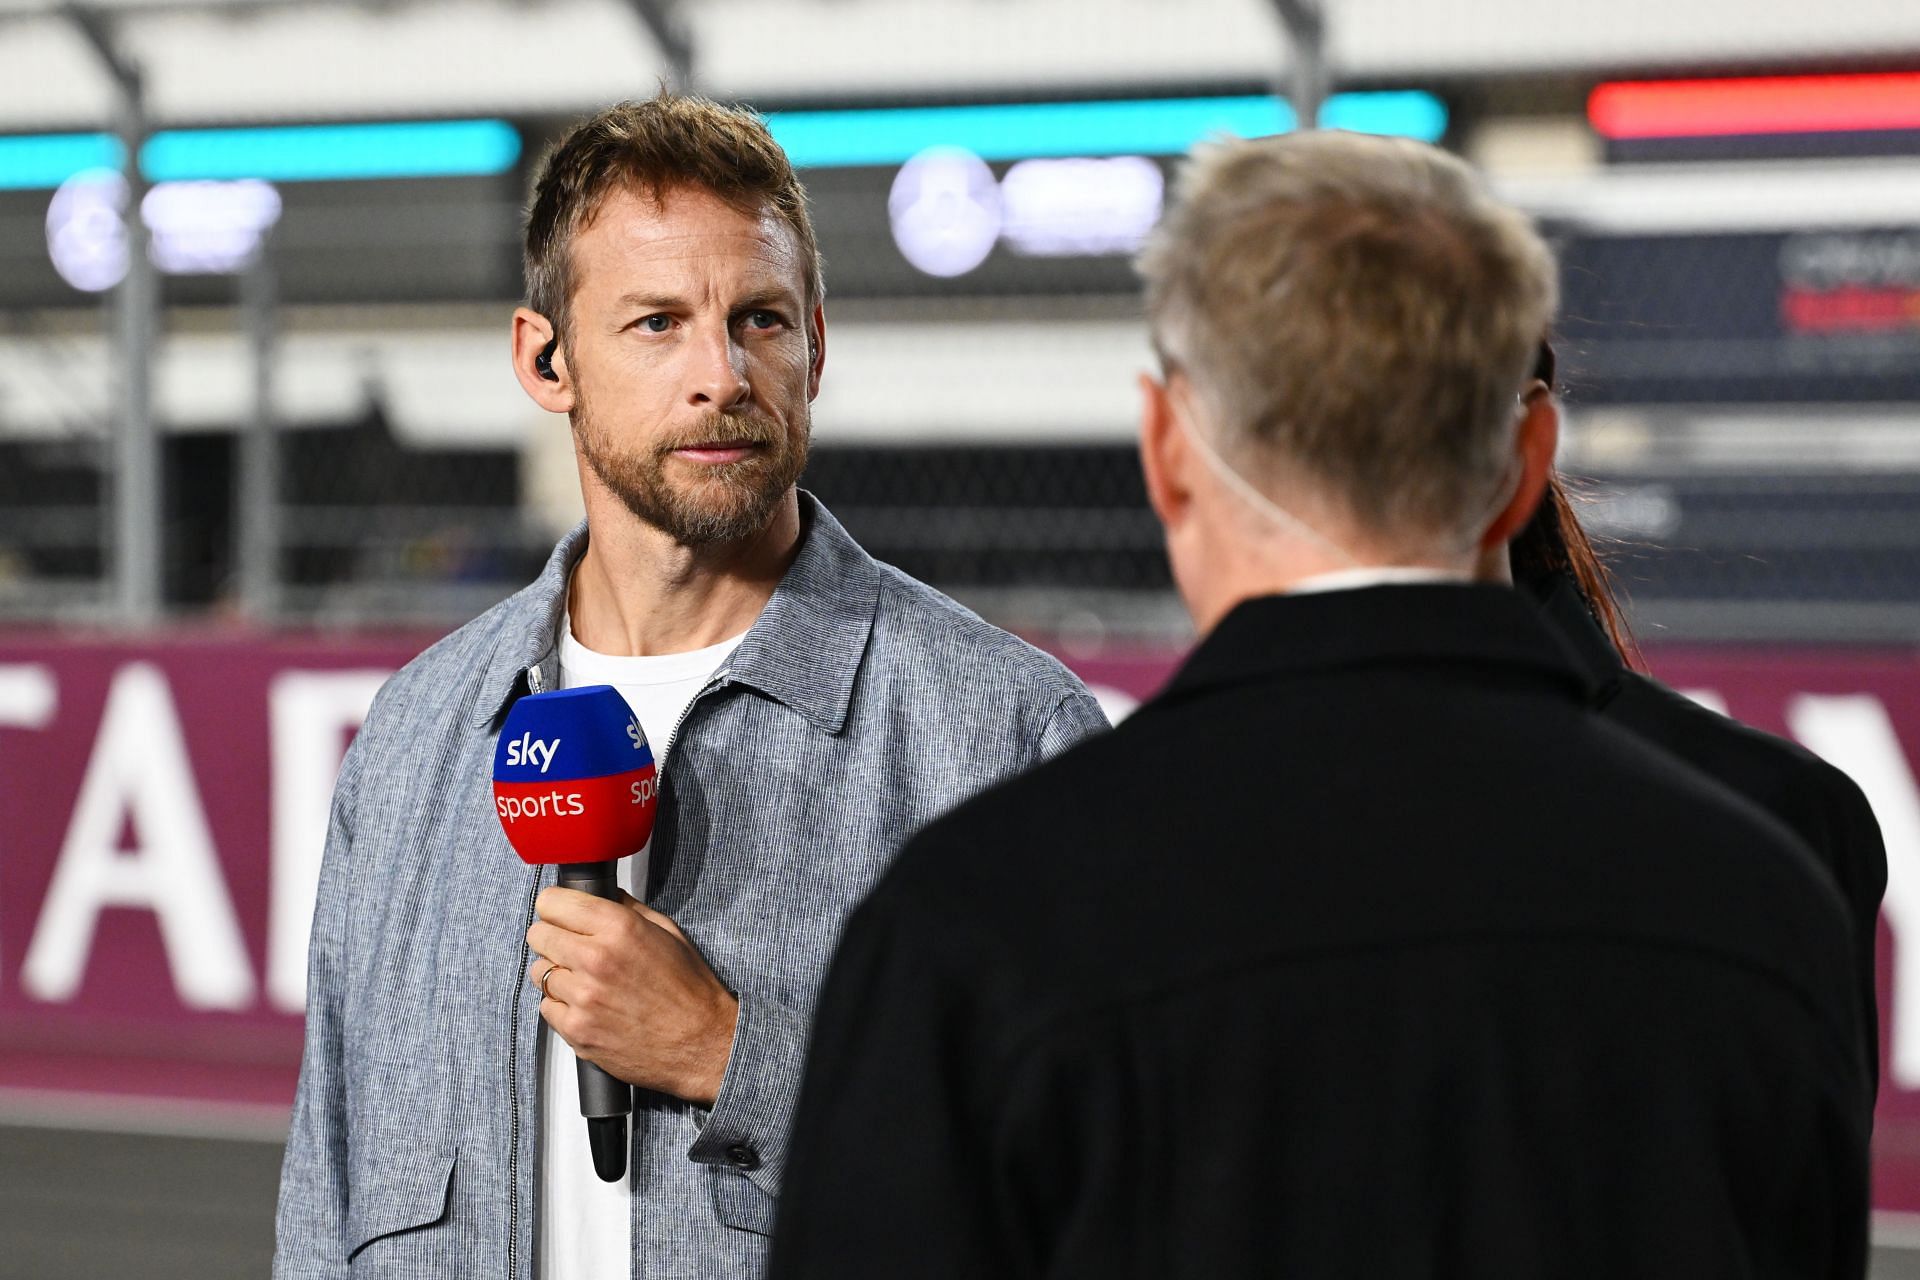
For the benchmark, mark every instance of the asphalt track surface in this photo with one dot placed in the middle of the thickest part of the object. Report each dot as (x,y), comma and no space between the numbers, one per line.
(85,1204)
(75,1205)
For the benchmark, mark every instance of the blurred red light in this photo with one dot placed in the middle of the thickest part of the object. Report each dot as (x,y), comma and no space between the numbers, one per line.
(1775,105)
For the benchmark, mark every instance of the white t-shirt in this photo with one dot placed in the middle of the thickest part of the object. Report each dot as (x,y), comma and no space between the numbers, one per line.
(586,1225)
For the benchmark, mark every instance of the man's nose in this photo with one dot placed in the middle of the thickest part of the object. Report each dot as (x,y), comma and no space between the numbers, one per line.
(718,379)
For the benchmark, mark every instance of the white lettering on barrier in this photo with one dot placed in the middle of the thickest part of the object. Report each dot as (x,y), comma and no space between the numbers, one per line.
(1115,704)
(139,772)
(28,697)
(1854,733)
(1707,698)
(309,714)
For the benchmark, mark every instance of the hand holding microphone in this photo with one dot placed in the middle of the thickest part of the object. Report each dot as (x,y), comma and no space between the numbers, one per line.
(574,784)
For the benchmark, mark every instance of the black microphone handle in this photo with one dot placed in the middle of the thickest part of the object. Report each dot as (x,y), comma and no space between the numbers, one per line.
(605,1101)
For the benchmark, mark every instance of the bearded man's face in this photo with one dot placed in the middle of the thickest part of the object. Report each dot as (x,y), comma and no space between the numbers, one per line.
(691,360)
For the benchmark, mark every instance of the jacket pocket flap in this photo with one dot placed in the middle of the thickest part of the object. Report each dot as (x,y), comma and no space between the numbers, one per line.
(405,1197)
(738,1203)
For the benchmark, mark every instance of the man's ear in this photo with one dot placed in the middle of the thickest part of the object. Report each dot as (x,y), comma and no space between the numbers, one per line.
(816,349)
(1534,444)
(1163,454)
(532,333)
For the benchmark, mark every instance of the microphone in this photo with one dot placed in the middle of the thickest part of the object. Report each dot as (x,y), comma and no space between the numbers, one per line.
(574,784)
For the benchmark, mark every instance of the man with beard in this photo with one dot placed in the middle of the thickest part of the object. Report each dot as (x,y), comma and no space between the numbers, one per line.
(809,707)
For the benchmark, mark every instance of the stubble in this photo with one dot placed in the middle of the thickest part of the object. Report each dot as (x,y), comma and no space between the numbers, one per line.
(700,505)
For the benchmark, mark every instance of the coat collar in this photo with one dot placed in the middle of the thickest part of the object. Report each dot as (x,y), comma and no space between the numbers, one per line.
(1559,598)
(1379,626)
(804,650)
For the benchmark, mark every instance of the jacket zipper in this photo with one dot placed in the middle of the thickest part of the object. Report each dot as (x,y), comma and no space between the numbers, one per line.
(534,682)
(513,1093)
(718,680)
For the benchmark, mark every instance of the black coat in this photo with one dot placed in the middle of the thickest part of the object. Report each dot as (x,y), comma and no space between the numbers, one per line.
(1366,949)
(1818,802)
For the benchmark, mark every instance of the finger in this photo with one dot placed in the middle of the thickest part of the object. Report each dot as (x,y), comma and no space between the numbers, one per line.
(560,1016)
(652,917)
(560,946)
(576,911)
(554,975)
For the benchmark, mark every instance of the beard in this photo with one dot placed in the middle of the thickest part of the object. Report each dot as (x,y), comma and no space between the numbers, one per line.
(723,503)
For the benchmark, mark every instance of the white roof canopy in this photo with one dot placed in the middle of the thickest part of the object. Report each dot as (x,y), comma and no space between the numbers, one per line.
(216,61)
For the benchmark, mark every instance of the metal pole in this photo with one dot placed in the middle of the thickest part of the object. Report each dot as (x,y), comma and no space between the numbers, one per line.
(138,524)
(669,31)
(1311,79)
(257,470)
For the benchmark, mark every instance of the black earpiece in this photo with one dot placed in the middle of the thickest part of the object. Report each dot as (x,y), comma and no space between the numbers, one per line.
(543,363)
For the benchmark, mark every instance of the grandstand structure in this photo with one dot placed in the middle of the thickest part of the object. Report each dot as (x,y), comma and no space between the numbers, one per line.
(320,426)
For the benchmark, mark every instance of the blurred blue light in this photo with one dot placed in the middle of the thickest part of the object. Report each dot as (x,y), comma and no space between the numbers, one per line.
(334,152)
(887,136)
(1144,126)
(46,160)
(295,153)
(1399,113)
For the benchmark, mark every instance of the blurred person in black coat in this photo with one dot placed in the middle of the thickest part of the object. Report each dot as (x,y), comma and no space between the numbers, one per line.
(1554,561)
(1366,948)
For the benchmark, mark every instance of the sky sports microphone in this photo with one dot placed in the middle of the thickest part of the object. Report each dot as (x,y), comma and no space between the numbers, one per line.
(574,784)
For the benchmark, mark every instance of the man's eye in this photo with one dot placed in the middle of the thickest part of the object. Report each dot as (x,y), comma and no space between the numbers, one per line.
(763,320)
(657,323)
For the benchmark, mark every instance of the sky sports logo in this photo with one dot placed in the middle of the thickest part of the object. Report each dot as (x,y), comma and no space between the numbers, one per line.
(568,804)
(528,750)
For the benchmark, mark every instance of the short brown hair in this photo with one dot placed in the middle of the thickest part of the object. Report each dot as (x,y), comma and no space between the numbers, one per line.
(1357,309)
(669,141)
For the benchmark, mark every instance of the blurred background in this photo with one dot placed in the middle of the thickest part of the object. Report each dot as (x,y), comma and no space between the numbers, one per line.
(260,443)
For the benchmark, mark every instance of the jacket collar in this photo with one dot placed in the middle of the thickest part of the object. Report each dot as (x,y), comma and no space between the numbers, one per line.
(1379,626)
(1559,598)
(804,650)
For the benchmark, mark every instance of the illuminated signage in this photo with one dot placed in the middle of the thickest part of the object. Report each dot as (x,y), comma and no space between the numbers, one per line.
(945,211)
(1755,106)
(1081,183)
(1850,282)
(1114,127)
(208,228)
(86,235)
(948,211)
(292,153)
(196,228)
(1080,207)
(335,152)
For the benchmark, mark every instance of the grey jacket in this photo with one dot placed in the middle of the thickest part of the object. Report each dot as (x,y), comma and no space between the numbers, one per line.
(861,705)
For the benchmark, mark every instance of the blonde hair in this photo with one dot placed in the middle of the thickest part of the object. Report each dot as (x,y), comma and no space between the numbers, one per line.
(669,141)
(1357,311)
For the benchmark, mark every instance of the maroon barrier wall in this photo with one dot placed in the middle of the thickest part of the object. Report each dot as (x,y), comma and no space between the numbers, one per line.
(162,805)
